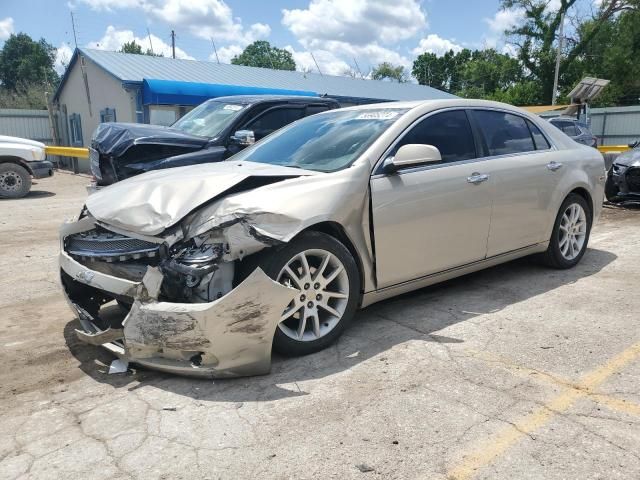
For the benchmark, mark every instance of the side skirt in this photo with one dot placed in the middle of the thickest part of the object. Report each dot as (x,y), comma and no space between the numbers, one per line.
(394,290)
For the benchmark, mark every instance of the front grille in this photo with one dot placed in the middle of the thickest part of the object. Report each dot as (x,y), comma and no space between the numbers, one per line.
(108,246)
(633,180)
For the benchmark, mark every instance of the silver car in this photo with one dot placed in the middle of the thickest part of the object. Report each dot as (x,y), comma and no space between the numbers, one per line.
(577,130)
(214,264)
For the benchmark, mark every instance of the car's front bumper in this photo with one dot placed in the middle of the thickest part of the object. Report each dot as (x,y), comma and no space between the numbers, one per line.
(627,181)
(229,337)
(41,169)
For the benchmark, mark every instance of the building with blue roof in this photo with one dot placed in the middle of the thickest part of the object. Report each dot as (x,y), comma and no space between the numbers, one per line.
(101,86)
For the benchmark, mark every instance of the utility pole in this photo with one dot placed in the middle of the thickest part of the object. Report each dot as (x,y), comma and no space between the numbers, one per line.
(73,25)
(215,50)
(173,44)
(558,56)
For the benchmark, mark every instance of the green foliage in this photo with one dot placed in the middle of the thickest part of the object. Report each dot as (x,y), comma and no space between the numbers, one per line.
(386,70)
(29,95)
(24,61)
(262,54)
(135,48)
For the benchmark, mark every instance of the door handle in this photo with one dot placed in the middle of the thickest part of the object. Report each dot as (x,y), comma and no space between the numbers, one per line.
(553,166)
(477,178)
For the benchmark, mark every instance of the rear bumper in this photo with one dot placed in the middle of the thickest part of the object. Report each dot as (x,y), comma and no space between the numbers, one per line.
(229,337)
(42,169)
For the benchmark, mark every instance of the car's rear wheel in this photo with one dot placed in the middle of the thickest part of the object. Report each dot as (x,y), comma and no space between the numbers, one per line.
(15,181)
(328,282)
(570,234)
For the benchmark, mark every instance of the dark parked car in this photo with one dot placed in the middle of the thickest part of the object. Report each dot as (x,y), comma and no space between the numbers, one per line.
(623,179)
(577,130)
(211,132)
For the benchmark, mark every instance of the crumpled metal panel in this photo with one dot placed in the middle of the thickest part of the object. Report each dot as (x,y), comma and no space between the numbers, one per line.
(232,335)
(630,158)
(153,202)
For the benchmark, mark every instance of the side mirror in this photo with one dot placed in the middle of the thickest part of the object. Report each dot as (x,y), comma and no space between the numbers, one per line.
(412,155)
(244,138)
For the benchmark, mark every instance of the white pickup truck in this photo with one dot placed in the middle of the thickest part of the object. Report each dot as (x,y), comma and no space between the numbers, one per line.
(21,159)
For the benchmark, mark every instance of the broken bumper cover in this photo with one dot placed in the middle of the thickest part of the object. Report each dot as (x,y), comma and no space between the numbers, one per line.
(229,337)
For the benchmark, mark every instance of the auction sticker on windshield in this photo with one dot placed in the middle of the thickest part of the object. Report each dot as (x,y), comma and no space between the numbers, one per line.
(378,115)
(232,107)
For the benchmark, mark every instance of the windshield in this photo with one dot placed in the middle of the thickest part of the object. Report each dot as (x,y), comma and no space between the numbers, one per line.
(326,142)
(209,118)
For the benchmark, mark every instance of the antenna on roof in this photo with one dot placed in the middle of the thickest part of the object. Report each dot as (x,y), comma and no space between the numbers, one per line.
(150,44)
(358,67)
(173,44)
(73,25)
(215,50)
(314,61)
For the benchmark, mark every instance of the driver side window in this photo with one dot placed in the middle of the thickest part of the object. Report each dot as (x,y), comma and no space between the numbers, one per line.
(449,132)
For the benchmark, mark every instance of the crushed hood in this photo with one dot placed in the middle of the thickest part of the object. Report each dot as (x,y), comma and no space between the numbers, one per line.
(115,139)
(629,158)
(150,203)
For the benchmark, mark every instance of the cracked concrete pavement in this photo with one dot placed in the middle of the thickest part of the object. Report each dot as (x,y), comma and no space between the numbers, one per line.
(515,372)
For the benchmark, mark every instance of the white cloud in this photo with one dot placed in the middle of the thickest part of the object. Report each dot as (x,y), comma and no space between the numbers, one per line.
(6,28)
(113,39)
(202,18)
(225,54)
(357,22)
(435,44)
(337,31)
(329,64)
(504,20)
(63,57)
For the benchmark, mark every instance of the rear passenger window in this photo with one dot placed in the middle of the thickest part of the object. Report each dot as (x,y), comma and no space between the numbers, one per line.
(567,127)
(274,120)
(538,138)
(504,133)
(313,109)
(449,132)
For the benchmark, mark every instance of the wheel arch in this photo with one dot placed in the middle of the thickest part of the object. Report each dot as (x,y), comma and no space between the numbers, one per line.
(584,193)
(338,232)
(16,160)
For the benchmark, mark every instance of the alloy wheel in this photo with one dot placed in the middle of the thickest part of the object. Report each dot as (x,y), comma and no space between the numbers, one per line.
(323,293)
(572,231)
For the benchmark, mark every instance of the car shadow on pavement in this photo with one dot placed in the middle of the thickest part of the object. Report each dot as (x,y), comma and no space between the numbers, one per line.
(33,195)
(415,316)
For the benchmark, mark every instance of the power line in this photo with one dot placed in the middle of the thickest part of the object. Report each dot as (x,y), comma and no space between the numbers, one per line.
(314,61)
(150,43)
(215,50)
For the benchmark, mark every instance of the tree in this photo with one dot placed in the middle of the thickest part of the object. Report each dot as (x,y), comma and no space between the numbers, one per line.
(261,54)
(24,61)
(386,70)
(135,48)
(536,37)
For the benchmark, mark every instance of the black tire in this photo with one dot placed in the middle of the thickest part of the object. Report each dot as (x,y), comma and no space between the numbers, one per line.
(273,260)
(553,256)
(15,180)
(611,190)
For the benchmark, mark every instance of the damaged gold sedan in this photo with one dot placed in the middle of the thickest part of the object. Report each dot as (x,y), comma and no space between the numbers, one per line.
(215,264)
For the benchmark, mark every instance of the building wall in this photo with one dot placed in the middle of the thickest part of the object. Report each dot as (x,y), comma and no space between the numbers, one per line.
(31,124)
(105,92)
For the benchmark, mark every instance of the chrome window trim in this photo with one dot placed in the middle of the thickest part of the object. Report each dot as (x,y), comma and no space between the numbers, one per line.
(376,173)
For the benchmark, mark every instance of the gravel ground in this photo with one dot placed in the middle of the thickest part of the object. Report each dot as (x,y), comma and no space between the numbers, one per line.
(514,372)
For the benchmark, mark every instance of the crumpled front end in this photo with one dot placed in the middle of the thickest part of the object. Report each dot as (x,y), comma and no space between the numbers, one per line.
(624,176)
(186,315)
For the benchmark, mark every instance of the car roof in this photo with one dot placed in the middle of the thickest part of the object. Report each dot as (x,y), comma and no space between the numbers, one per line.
(435,104)
(255,99)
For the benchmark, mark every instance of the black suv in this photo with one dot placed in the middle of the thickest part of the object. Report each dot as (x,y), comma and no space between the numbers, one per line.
(211,132)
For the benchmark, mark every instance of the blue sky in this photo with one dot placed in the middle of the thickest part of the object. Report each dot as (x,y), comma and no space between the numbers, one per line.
(335,31)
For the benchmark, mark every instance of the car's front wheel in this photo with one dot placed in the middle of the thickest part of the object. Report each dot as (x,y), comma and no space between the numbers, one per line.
(570,233)
(328,282)
(15,181)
